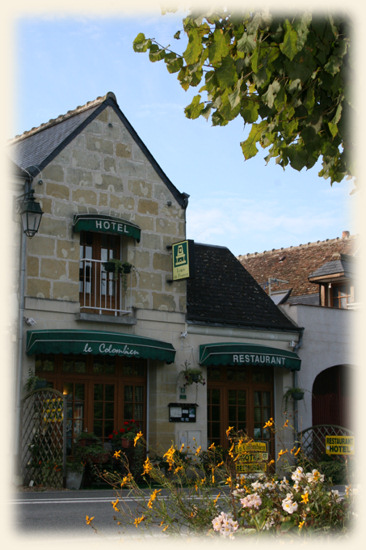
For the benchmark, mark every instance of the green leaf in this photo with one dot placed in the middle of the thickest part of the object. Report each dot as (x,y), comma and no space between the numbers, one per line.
(247,43)
(289,44)
(249,146)
(173,62)
(141,44)
(194,47)
(271,93)
(333,128)
(249,110)
(219,47)
(194,109)
(156,53)
(226,74)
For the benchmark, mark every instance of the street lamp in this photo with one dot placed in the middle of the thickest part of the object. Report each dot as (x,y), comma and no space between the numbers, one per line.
(31,213)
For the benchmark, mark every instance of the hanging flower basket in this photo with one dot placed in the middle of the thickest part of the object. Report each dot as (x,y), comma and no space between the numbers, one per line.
(193,376)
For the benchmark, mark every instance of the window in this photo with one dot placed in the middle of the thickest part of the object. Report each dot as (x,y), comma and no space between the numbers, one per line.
(99,291)
(340,295)
(101,392)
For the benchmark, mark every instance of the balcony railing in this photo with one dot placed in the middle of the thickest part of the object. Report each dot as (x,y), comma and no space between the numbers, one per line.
(99,291)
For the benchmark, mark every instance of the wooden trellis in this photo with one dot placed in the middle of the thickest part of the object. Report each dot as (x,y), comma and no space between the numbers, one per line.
(312,440)
(43,441)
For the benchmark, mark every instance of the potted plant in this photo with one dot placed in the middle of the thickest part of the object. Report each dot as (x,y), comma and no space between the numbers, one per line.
(35,382)
(124,436)
(117,267)
(192,376)
(74,474)
(297,394)
(89,449)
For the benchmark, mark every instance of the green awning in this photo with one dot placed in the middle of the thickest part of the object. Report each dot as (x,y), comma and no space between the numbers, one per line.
(247,354)
(94,342)
(106,224)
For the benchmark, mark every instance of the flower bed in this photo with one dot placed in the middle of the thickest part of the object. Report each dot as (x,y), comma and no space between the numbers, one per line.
(204,495)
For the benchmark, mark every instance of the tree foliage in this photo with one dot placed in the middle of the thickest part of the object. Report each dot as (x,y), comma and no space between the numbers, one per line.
(285,76)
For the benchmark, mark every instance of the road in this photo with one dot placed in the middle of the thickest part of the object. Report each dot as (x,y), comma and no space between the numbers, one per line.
(63,514)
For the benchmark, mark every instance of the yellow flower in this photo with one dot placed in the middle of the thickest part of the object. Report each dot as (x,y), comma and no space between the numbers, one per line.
(138,521)
(153,497)
(301,524)
(137,437)
(89,520)
(169,456)
(281,453)
(198,450)
(212,446)
(216,499)
(125,480)
(269,423)
(114,504)
(297,452)
(228,480)
(229,430)
(178,468)
(117,454)
(181,448)
(213,475)
(305,498)
(147,467)
(270,462)
(286,424)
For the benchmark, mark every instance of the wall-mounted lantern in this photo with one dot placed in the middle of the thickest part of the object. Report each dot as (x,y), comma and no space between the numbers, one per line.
(31,213)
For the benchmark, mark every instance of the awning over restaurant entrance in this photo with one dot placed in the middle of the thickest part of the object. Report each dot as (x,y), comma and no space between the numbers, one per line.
(247,354)
(93,342)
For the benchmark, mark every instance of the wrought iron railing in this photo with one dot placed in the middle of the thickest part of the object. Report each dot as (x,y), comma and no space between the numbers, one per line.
(99,291)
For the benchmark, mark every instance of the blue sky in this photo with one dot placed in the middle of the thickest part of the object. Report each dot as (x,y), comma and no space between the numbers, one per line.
(248,206)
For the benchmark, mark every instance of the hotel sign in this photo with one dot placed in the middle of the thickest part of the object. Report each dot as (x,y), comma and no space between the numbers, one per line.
(252,457)
(106,224)
(182,255)
(339,445)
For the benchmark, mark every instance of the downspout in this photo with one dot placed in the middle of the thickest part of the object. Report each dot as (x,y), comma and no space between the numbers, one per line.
(147,406)
(18,389)
(295,384)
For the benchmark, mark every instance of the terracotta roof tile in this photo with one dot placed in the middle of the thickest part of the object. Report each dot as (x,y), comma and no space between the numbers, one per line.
(296,263)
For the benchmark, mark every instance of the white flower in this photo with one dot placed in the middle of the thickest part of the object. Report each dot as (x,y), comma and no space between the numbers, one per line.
(298,474)
(225,525)
(288,505)
(314,477)
(251,501)
(256,485)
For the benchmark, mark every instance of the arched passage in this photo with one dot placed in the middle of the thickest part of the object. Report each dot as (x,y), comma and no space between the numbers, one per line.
(332,396)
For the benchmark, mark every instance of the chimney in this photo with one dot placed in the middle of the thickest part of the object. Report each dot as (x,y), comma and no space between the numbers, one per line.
(345,234)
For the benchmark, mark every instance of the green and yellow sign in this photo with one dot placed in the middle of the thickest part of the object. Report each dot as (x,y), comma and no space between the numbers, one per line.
(182,260)
(339,445)
(252,457)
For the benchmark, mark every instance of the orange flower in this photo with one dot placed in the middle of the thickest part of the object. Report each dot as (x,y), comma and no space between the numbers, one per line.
(89,520)
(281,453)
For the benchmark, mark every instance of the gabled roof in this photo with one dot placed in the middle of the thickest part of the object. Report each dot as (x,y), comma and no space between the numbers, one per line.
(222,292)
(291,267)
(35,149)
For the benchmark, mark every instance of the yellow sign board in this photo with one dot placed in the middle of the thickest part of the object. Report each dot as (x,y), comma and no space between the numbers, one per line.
(339,445)
(181,260)
(253,457)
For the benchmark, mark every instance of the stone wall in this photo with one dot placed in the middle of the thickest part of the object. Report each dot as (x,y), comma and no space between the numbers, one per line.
(104,171)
